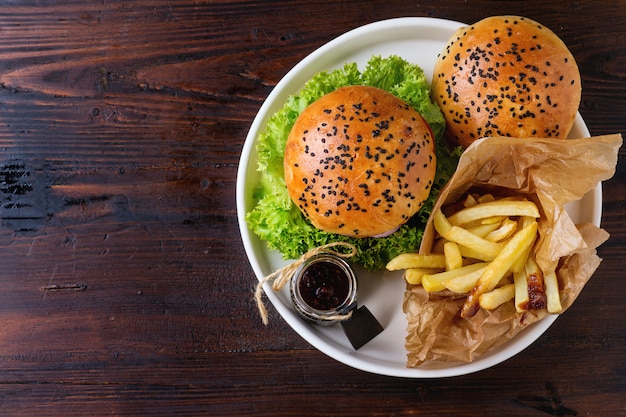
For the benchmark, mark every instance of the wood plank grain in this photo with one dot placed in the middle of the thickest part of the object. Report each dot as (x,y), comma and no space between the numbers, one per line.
(125,288)
(304,384)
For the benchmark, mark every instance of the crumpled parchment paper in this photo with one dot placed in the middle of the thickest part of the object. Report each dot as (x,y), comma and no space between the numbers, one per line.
(550,172)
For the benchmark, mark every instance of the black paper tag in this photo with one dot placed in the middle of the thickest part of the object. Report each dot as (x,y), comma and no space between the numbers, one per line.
(361,327)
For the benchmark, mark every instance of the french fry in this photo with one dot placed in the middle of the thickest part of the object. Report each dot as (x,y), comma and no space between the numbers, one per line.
(497,297)
(435,282)
(520,262)
(452,255)
(414,260)
(490,220)
(494,208)
(536,287)
(485,198)
(521,291)
(483,229)
(496,269)
(505,231)
(461,236)
(464,283)
(552,292)
(469,253)
(470,201)
(526,220)
(414,276)
(531,266)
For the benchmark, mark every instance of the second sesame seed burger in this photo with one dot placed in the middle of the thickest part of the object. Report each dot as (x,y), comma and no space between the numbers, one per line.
(506,76)
(359,162)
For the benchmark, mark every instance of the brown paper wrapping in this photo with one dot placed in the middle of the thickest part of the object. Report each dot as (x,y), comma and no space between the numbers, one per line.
(551,173)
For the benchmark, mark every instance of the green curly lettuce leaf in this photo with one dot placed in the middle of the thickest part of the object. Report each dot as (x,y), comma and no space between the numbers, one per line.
(276,220)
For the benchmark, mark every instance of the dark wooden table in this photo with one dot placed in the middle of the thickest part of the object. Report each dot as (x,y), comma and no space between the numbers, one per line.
(124,285)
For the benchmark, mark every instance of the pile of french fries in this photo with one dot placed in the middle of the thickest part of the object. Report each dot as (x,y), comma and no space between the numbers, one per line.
(486,250)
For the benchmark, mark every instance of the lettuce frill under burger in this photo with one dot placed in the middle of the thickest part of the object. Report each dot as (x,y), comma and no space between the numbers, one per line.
(279,221)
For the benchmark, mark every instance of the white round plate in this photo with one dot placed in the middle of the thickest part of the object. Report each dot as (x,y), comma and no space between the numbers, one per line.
(418,40)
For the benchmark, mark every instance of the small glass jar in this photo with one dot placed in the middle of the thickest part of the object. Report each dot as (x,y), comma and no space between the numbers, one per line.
(323,289)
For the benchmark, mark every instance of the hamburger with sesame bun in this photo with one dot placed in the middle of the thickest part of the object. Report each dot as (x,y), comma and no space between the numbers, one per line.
(359,162)
(506,76)
(350,158)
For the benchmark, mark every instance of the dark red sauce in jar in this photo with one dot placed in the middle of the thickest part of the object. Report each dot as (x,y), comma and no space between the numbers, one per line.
(324,286)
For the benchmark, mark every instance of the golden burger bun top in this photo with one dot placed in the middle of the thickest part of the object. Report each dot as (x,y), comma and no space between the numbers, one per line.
(359,162)
(506,76)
